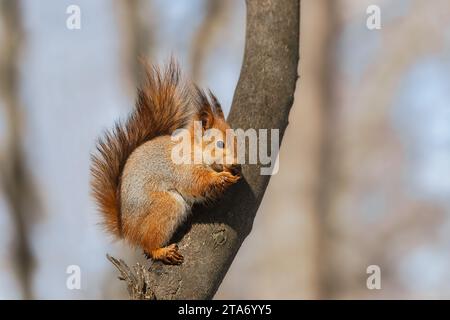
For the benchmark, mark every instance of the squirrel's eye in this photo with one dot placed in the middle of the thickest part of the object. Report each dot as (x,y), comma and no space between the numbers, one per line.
(220,144)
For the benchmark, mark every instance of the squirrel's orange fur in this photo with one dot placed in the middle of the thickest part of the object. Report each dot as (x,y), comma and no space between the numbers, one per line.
(141,193)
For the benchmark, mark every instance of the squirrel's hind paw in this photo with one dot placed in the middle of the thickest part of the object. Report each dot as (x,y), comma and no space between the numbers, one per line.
(168,255)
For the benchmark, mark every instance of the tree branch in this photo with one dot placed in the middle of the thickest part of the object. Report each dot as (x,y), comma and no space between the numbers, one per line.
(137,279)
(262,100)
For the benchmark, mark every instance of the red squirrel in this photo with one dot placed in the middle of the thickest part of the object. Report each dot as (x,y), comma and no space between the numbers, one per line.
(142,194)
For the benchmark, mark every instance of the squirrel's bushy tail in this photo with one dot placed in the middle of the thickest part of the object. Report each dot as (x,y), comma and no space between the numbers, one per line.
(163,105)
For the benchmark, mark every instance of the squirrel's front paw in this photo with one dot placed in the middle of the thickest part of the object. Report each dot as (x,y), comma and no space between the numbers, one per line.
(228,178)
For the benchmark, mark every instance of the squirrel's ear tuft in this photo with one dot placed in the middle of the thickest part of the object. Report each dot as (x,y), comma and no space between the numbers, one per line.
(205,109)
(206,117)
(216,105)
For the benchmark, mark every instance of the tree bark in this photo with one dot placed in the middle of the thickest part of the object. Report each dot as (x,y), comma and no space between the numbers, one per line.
(263,98)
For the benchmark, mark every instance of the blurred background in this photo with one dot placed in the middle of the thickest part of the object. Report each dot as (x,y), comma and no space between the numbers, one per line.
(364,167)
